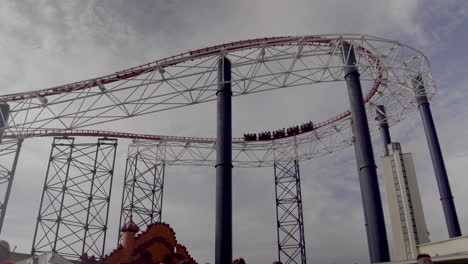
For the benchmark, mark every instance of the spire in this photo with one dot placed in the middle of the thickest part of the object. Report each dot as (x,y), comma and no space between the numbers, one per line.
(130,226)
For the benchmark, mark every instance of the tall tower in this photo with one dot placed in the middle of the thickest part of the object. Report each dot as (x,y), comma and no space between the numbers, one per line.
(406,212)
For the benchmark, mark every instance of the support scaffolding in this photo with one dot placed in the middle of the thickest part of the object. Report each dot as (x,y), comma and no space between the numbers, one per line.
(74,208)
(143,189)
(9,154)
(290,222)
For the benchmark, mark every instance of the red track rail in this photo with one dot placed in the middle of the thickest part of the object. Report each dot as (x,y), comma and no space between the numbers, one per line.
(99,133)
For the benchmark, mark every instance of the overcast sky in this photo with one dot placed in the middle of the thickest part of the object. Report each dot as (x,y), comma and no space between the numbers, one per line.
(48,43)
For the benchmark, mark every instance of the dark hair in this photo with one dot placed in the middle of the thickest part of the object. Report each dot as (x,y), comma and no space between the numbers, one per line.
(423,256)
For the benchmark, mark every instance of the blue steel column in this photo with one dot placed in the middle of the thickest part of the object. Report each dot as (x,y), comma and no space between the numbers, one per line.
(383,127)
(223,254)
(366,225)
(446,197)
(372,202)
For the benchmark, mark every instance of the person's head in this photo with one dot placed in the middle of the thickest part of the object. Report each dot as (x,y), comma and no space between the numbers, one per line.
(4,250)
(424,259)
(277,262)
(241,261)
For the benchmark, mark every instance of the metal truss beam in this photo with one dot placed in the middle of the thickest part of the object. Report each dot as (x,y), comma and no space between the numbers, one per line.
(258,65)
(74,208)
(9,154)
(143,190)
(248,155)
(290,223)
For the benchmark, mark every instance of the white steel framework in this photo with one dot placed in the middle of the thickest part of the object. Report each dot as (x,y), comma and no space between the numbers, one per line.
(289,216)
(9,154)
(386,68)
(142,197)
(75,202)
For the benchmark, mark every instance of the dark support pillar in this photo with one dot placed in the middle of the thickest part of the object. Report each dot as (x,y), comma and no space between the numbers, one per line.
(446,197)
(383,124)
(372,202)
(366,225)
(223,166)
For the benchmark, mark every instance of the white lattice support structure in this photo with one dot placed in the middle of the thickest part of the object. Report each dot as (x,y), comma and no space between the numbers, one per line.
(9,155)
(74,209)
(143,187)
(258,65)
(289,216)
(386,69)
(202,152)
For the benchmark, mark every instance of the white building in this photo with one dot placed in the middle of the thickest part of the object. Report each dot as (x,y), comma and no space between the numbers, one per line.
(451,251)
(404,202)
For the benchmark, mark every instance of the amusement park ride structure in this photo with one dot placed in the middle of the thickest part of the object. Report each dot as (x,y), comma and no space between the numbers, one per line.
(393,76)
